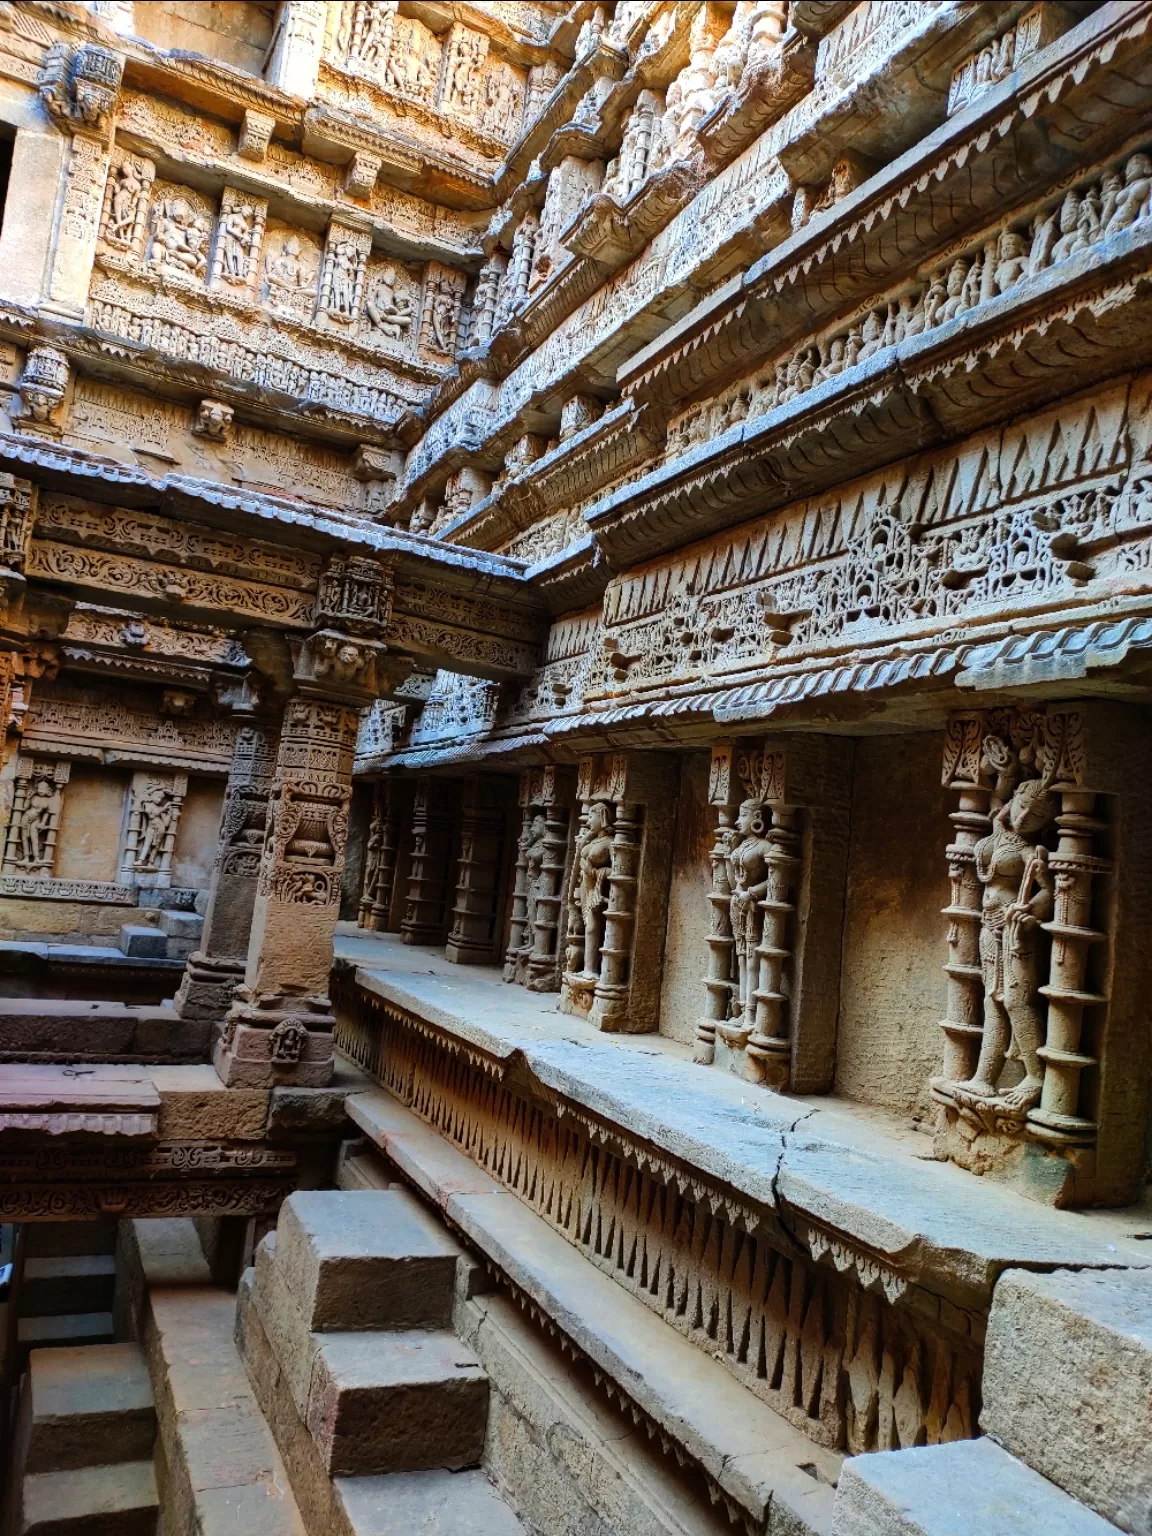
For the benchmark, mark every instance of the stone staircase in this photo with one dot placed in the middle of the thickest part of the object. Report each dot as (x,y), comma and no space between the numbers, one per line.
(83,1455)
(69,1278)
(379,1410)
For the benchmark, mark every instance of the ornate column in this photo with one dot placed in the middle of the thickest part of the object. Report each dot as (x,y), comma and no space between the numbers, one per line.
(532,956)
(1057,1118)
(618,890)
(425,914)
(718,982)
(964,771)
(382,859)
(215,970)
(769,1046)
(279,1028)
(476,912)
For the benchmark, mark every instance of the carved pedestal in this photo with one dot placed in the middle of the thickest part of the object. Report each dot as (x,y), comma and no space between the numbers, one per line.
(430,864)
(280,1026)
(1046,1072)
(617,891)
(214,971)
(778,870)
(477,909)
(535,934)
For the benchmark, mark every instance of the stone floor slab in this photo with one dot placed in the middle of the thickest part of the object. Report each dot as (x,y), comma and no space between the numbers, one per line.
(432,1503)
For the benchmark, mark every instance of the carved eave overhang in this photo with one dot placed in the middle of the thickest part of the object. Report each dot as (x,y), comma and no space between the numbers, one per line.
(210,86)
(890,89)
(119,645)
(462,609)
(768,88)
(572,471)
(816,18)
(1091,316)
(1083,93)
(526,45)
(602,61)
(572,578)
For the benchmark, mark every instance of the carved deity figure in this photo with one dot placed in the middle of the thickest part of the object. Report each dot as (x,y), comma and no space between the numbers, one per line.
(442,321)
(408,67)
(345,271)
(1134,199)
(1012,866)
(285,274)
(237,229)
(36,821)
(747,859)
(178,240)
(158,810)
(534,846)
(389,309)
(128,188)
(588,888)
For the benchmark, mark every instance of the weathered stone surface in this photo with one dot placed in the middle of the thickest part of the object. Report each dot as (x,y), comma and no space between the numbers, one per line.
(450,1504)
(950,1490)
(1068,1384)
(87,1407)
(365,1259)
(397,1401)
(116,1500)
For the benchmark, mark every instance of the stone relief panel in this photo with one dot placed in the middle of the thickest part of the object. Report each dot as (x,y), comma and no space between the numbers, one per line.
(34,818)
(154,805)
(373,51)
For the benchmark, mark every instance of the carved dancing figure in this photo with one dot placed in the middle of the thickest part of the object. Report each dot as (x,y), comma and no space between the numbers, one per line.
(588,889)
(1012,866)
(125,204)
(36,821)
(285,275)
(747,859)
(443,321)
(236,234)
(344,279)
(157,819)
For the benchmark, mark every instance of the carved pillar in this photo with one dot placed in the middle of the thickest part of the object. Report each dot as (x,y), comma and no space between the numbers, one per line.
(769,1047)
(964,772)
(532,957)
(1074,865)
(34,821)
(476,912)
(154,805)
(216,969)
(430,866)
(280,1027)
(380,866)
(486,299)
(617,892)
(718,981)
(295,63)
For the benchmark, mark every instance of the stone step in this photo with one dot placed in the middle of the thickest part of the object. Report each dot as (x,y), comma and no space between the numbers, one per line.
(68,1328)
(359,1259)
(142,941)
(93,1501)
(396,1402)
(1068,1384)
(86,1407)
(432,1503)
(72,1282)
(955,1490)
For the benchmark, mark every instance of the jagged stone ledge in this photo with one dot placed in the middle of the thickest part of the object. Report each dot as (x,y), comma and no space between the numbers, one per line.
(844,1190)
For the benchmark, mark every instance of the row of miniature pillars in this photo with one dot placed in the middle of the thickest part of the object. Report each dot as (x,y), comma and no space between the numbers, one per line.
(1074,865)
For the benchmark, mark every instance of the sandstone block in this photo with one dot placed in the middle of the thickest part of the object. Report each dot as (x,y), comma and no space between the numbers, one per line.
(954,1490)
(451,1504)
(356,1259)
(93,1501)
(1068,1384)
(142,943)
(195,1106)
(394,1402)
(86,1406)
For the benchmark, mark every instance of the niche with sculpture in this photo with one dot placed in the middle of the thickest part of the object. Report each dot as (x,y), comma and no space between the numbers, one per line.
(537,927)
(1028,941)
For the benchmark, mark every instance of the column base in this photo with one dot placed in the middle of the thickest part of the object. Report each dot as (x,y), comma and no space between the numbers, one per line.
(274,1041)
(208,986)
